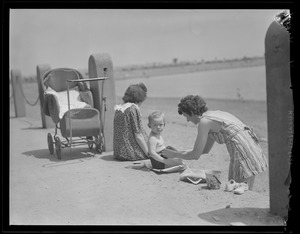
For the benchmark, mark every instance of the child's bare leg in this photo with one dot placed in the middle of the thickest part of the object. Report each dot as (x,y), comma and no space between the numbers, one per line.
(172,162)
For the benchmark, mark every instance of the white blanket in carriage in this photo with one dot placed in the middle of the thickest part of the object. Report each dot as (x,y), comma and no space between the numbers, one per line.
(78,99)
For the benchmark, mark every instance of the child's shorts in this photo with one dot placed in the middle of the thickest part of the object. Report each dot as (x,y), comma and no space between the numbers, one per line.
(159,165)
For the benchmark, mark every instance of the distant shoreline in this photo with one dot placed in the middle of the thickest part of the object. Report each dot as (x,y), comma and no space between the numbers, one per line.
(147,72)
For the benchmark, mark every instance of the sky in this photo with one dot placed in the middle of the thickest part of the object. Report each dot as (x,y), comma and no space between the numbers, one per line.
(67,37)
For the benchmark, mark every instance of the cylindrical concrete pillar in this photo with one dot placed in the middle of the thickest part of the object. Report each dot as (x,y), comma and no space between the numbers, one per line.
(100,65)
(280,112)
(17,85)
(40,71)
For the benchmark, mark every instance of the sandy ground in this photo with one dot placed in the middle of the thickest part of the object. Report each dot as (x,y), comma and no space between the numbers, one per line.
(85,188)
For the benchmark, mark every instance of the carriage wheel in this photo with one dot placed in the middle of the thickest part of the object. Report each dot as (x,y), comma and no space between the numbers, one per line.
(58,147)
(99,143)
(50,143)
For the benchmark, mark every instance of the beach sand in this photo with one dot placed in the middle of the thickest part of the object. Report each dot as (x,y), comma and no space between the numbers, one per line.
(181,134)
(102,191)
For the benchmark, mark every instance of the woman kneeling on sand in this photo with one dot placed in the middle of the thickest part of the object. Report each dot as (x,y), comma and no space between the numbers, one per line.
(246,155)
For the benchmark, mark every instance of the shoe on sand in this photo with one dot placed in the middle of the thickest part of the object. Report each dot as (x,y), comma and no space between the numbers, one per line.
(230,186)
(241,188)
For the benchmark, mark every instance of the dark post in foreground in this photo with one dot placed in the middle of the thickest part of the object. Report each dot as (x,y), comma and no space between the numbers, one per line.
(280,112)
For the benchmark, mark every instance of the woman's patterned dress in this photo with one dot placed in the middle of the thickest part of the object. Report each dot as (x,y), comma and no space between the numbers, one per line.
(246,155)
(127,122)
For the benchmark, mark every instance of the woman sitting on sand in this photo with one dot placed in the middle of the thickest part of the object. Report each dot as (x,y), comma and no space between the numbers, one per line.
(130,138)
(246,155)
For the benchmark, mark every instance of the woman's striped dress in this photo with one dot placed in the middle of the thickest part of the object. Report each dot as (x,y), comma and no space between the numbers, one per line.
(246,155)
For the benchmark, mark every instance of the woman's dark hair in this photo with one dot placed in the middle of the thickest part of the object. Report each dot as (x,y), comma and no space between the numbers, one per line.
(192,104)
(135,93)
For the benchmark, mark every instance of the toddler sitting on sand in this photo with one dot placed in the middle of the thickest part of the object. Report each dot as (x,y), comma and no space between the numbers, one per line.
(156,142)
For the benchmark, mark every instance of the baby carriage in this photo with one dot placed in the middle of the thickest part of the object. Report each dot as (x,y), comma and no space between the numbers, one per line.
(69,103)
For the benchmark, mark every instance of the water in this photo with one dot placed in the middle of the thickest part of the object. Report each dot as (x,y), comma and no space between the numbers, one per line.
(246,83)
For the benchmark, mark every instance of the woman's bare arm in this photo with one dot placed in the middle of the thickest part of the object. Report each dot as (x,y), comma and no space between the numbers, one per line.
(204,127)
(141,141)
(209,144)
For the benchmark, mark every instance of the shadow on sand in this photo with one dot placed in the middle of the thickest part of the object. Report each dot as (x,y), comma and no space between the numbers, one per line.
(32,128)
(109,158)
(66,154)
(242,216)
(127,164)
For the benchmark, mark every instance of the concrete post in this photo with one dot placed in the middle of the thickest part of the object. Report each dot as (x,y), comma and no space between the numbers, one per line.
(100,65)
(280,112)
(40,71)
(17,85)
